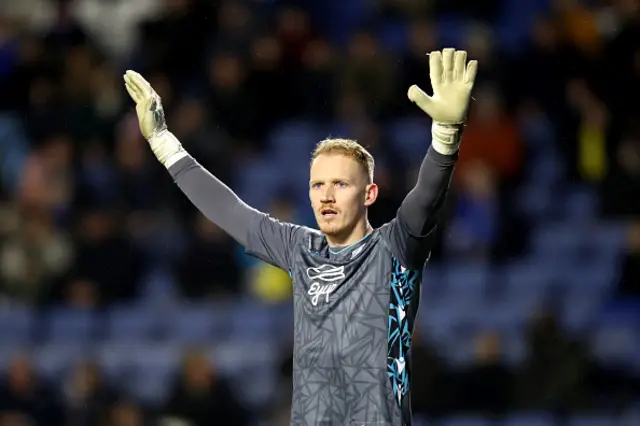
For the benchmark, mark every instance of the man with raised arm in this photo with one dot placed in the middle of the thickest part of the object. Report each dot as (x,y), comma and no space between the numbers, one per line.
(356,288)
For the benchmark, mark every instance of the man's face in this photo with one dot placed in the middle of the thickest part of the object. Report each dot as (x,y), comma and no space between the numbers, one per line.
(340,193)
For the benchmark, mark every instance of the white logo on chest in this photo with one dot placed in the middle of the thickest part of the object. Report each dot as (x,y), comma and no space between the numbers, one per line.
(324,281)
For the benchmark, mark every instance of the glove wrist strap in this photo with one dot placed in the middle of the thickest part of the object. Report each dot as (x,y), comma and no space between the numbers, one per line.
(445,138)
(166,147)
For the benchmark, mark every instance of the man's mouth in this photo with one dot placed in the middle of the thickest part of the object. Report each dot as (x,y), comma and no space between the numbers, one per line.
(328,213)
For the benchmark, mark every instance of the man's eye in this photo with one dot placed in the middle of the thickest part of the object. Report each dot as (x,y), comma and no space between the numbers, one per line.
(316,185)
(341,184)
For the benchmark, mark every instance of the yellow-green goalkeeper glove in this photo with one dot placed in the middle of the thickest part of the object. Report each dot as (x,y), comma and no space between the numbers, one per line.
(153,125)
(452,80)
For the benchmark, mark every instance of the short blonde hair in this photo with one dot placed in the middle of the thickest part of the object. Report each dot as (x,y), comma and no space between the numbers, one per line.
(348,148)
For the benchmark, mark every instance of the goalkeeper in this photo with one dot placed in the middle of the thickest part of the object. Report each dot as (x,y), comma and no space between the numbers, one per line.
(356,289)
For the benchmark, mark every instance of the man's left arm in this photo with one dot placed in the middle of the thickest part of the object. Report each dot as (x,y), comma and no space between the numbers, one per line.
(410,234)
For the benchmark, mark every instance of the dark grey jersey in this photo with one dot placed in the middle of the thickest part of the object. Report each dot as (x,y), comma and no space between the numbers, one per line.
(354,308)
(354,312)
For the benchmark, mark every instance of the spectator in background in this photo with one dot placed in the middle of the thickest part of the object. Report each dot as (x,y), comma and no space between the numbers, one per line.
(208,267)
(369,73)
(200,395)
(586,133)
(621,185)
(492,137)
(433,390)
(423,37)
(554,371)
(628,285)
(25,394)
(34,257)
(474,225)
(126,413)
(232,103)
(79,293)
(317,73)
(86,397)
(100,237)
(487,386)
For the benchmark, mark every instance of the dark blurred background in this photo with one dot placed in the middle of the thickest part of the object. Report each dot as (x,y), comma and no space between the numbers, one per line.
(121,306)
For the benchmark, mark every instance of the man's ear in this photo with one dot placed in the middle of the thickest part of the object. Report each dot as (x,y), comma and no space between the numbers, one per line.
(371,194)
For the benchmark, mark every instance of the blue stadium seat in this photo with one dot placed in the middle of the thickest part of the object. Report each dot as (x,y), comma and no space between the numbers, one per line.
(615,345)
(155,368)
(591,420)
(535,202)
(466,281)
(242,355)
(527,283)
(438,322)
(17,325)
(593,276)
(509,313)
(114,359)
(410,137)
(433,286)
(132,323)
(581,309)
(262,171)
(464,421)
(264,385)
(608,241)
(197,324)
(158,288)
(581,204)
(544,172)
(56,360)
(458,348)
(529,419)
(72,325)
(630,418)
(295,139)
(251,319)
(560,241)
(514,347)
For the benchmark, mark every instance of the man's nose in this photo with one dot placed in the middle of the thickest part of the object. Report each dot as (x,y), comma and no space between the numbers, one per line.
(327,196)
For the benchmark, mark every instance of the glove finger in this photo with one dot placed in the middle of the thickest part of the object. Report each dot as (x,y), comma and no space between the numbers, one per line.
(472,71)
(132,93)
(132,90)
(141,85)
(447,63)
(435,68)
(417,96)
(460,62)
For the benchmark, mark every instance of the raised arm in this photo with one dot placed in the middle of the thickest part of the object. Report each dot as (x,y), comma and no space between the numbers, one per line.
(410,234)
(262,236)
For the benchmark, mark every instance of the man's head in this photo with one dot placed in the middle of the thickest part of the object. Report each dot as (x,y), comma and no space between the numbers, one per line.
(341,187)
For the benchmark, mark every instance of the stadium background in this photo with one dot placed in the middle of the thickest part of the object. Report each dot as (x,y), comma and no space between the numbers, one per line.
(122,307)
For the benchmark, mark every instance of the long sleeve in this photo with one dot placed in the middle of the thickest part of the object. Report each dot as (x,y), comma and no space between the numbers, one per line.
(215,200)
(410,234)
(420,208)
(260,234)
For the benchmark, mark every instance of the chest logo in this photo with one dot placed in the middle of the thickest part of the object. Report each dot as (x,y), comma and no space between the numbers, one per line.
(324,280)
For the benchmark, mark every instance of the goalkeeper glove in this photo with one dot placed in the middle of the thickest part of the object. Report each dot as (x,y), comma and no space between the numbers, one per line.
(153,125)
(452,79)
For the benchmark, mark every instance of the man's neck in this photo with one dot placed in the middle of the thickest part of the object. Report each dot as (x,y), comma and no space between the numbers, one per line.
(361,230)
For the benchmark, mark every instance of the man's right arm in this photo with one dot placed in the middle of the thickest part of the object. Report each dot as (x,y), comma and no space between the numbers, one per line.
(261,235)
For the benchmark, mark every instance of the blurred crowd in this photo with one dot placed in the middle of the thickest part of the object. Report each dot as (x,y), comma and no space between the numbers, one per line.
(87,214)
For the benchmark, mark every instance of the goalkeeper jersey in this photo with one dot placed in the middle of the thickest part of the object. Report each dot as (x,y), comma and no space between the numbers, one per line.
(354,311)
(354,306)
